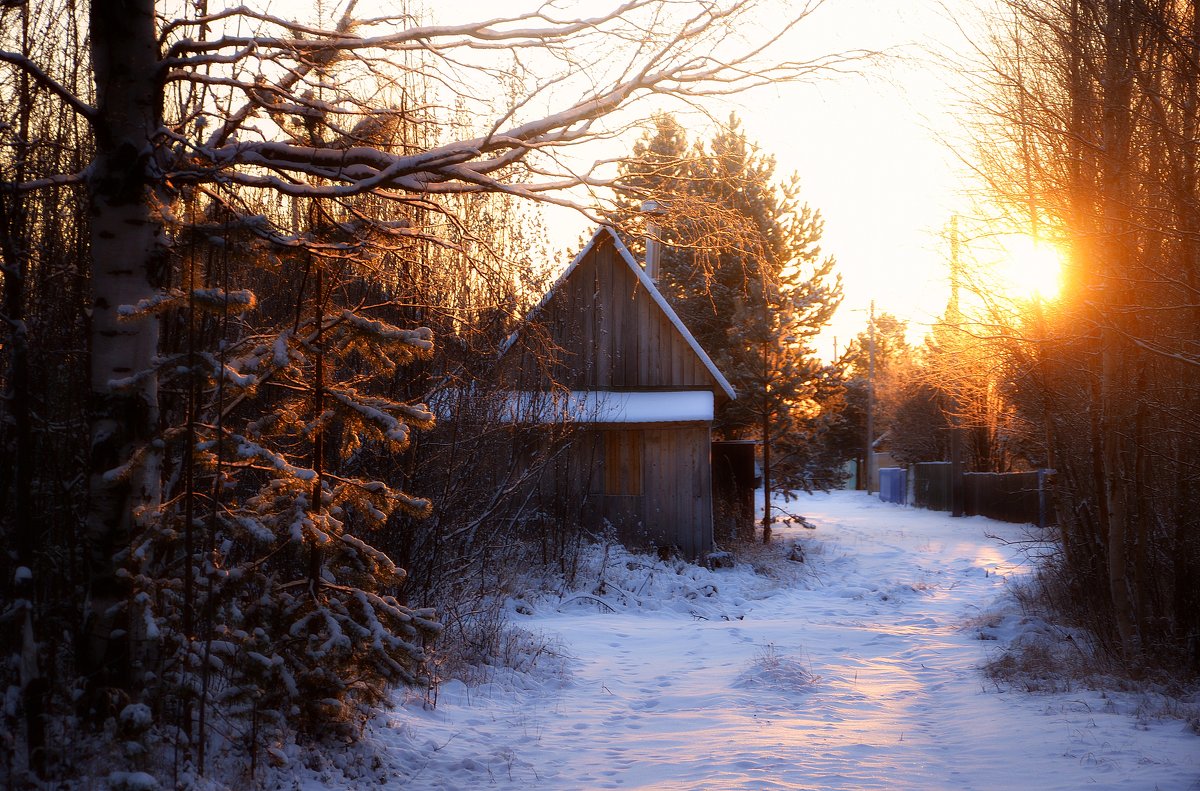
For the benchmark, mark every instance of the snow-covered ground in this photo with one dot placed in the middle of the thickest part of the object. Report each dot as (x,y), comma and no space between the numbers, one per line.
(857,669)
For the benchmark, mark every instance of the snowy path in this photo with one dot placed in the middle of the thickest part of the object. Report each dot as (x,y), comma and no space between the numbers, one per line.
(659,699)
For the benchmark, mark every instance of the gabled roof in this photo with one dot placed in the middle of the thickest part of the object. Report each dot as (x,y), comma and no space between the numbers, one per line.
(651,290)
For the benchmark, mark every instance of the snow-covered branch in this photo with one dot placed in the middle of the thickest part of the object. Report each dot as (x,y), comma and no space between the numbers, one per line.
(38,75)
(662,47)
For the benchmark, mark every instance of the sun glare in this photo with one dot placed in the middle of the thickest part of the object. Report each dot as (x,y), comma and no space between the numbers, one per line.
(1030,267)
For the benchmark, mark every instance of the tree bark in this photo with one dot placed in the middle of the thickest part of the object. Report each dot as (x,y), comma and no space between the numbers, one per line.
(127,265)
(14,265)
(768,520)
(1116,130)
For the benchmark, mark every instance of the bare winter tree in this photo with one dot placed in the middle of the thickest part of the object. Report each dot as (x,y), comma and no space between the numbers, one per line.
(1093,143)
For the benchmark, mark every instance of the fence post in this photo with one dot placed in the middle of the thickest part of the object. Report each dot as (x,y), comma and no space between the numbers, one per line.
(1043,479)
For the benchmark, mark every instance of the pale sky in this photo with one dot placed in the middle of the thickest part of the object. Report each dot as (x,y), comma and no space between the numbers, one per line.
(871,150)
(869,153)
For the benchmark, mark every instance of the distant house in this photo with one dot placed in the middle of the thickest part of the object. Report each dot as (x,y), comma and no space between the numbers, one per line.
(604,353)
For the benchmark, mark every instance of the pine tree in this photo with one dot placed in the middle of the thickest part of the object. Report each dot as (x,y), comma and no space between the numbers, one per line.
(746,274)
(885,342)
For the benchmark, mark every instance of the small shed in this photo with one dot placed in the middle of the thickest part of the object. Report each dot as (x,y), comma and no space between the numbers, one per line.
(604,352)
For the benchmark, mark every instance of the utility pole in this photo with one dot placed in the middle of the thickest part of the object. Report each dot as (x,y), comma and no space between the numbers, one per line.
(870,397)
(953,315)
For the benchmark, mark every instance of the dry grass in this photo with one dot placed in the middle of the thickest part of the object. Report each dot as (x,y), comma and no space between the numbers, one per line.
(1036,666)
(1047,658)
(1044,657)
(778,560)
(478,642)
(773,671)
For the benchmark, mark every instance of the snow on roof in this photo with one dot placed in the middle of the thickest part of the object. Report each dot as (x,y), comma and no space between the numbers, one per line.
(607,406)
(651,289)
(596,406)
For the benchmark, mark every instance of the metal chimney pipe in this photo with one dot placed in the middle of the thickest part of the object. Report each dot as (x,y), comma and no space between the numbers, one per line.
(653,208)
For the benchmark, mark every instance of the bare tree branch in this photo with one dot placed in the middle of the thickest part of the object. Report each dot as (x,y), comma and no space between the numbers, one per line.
(43,79)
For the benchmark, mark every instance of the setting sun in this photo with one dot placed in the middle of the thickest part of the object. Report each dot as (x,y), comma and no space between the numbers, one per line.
(1029,267)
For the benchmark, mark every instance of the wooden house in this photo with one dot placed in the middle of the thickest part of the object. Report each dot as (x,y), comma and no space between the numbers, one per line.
(604,353)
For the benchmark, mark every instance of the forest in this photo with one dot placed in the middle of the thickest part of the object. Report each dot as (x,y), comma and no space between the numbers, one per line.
(246,261)
(258,275)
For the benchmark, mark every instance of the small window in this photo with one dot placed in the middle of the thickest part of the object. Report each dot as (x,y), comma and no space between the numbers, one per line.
(622,462)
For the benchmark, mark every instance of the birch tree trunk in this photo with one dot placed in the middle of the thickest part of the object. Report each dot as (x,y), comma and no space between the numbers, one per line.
(127,265)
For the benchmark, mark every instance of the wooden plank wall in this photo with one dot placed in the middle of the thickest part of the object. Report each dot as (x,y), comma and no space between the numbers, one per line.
(678,488)
(672,507)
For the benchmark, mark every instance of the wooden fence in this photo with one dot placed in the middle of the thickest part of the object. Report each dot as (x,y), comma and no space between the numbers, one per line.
(931,485)
(1007,496)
